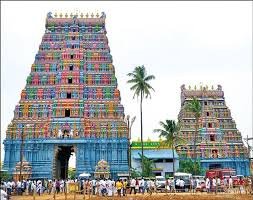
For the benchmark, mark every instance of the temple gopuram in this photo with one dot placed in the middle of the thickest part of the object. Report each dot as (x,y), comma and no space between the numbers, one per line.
(70,104)
(218,142)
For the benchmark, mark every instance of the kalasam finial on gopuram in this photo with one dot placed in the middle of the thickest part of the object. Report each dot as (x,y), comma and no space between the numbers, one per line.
(103,15)
(49,15)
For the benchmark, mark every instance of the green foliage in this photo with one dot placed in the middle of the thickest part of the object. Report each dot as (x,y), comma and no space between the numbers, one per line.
(72,173)
(194,106)
(142,88)
(140,81)
(169,134)
(135,173)
(4,176)
(189,166)
(148,166)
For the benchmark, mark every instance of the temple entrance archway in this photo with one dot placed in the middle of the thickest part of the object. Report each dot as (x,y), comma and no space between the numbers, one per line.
(61,161)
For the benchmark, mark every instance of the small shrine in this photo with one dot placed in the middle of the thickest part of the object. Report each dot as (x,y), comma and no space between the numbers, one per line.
(26,171)
(102,170)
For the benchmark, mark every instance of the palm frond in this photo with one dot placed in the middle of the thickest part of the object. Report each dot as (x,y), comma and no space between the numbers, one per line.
(139,80)
(148,78)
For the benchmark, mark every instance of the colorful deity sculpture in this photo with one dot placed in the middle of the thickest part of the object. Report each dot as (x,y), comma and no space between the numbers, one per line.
(218,141)
(70,101)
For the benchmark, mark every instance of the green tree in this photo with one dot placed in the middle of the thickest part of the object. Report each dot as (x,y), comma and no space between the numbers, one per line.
(147,166)
(134,173)
(71,173)
(141,87)
(169,134)
(4,176)
(188,166)
(194,106)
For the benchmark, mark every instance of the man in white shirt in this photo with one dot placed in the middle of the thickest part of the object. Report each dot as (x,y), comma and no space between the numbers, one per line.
(230,182)
(214,184)
(9,187)
(103,187)
(218,183)
(94,186)
(141,186)
(207,184)
(132,185)
(181,185)
(3,194)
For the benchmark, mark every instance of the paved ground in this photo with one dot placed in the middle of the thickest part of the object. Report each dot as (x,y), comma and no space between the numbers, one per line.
(188,196)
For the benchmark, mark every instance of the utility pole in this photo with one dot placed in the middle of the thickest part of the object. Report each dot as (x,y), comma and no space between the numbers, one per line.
(249,152)
(129,126)
(21,151)
(21,154)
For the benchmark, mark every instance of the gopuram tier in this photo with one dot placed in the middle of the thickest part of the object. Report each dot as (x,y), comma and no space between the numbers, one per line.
(70,104)
(218,142)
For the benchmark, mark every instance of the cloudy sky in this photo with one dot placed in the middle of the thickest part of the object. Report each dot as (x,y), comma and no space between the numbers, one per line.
(178,42)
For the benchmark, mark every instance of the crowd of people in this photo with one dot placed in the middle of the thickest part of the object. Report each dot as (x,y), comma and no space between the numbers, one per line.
(122,187)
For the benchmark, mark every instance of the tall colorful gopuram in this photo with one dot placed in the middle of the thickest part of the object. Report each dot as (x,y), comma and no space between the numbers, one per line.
(70,103)
(218,141)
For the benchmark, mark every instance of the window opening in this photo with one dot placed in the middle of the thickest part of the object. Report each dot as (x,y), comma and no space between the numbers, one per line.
(68,95)
(67,113)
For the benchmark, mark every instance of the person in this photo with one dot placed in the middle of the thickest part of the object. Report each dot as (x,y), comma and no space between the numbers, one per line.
(172,187)
(207,185)
(124,187)
(137,185)
(132,185)
(39,187)
(9,187)
(57,186)
(167,185)
(230,183)
(49,185)
(181,185)
(152,187)
(53,186)
(33,186)
(241,183)
(3,194)
(214,184)
(225,184)
(219,184)
(119,186)
(197,187)
(103,187)
(148,185)
(177,184)
(94,187)
(19,188)
(141,186)
(109,187)
(62,186)
(193,184)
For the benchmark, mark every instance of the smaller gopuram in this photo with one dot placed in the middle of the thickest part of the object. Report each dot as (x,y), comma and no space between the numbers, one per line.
(218,142)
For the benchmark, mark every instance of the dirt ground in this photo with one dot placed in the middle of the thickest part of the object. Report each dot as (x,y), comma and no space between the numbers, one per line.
(188,196)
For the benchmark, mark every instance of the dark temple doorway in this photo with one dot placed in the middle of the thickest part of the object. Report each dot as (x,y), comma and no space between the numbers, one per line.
(62,161)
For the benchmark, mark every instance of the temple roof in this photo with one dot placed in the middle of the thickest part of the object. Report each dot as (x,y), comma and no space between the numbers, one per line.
(154,153)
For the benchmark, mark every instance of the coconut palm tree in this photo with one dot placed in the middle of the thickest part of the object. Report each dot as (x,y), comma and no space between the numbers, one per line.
(194,106)
(169,131)
(141,87)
